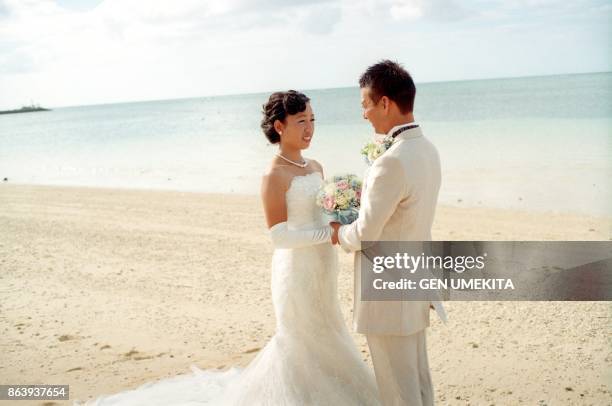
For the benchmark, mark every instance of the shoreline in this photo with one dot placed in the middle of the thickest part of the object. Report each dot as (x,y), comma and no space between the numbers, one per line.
(108,289)
(128,189)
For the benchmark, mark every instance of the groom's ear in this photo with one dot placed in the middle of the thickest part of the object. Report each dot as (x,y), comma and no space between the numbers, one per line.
(386,103)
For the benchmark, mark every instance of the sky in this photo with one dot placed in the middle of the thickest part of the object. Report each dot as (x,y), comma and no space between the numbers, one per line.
(79,52)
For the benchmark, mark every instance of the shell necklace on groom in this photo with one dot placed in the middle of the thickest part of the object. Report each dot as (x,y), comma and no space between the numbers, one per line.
(298,164)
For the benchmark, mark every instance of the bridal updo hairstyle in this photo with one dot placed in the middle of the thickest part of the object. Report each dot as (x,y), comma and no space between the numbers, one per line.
(278,107)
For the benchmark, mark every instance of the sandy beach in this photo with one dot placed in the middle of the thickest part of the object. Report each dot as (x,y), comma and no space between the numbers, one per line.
(106,289)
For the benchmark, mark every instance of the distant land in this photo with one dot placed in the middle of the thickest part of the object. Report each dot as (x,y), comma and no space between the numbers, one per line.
(25,109)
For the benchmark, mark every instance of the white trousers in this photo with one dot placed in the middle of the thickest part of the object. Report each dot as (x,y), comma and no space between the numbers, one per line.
(402,369)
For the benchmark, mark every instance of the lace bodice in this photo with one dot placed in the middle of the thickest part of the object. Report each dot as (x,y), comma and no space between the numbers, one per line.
(302,210)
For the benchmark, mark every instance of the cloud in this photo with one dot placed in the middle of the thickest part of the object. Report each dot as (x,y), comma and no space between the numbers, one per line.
(4,12)
(407,10)
(116,29)
(80,5)
(152,49)
(437,10)
(321,20)
(546,9)
(215,14)
(138,49)
(15,62)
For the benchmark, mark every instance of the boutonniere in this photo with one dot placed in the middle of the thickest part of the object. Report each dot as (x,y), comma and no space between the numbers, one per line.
(373,149)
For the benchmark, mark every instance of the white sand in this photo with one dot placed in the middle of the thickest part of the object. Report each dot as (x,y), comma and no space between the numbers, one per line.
(107,289)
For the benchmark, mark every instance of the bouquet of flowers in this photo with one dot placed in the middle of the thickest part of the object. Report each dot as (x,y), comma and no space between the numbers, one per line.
(341,197)
(376,148)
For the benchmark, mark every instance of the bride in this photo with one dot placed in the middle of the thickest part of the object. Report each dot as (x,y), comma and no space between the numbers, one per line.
(311,359)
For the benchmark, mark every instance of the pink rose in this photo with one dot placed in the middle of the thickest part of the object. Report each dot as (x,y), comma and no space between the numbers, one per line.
(329,203)
(342,185)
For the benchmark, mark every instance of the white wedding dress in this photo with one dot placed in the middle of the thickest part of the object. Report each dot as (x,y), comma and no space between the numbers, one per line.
(311,359)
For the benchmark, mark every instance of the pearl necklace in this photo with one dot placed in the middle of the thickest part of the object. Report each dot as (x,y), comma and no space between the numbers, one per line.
(300,165)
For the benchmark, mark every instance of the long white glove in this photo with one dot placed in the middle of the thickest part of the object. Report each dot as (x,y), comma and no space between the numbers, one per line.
(282,237)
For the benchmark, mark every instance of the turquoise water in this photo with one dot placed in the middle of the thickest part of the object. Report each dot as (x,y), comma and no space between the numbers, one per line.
(540,143)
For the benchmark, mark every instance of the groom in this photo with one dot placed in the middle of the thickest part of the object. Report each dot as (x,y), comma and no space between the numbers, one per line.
(398,204)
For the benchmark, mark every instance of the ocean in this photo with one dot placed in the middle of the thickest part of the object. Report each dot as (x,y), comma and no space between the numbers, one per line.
(536,143)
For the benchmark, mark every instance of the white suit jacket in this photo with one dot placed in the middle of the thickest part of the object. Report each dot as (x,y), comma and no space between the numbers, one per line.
(398,203)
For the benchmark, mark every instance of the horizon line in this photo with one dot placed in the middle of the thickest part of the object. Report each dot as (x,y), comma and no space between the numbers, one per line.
(318,89)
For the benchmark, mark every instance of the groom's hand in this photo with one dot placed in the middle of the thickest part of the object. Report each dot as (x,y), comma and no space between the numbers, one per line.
(335,226)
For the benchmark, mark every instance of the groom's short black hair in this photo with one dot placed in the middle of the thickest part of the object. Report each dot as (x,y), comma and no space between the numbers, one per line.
(388,78)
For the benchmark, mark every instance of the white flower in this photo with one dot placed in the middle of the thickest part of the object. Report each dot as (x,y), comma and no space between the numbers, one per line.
(350,194)
(341,201)
(376,148)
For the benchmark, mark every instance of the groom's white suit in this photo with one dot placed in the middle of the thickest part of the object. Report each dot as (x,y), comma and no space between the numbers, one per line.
(398,203)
